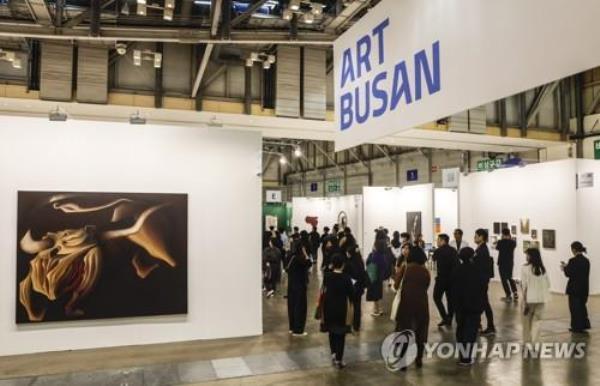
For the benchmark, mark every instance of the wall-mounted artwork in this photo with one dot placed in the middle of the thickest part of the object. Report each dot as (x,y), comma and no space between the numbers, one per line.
(527,244)
(549,238)
(524,226)
(534,234)
(342,219)
(513,229)
(503,226)
(413,223)
(100,255)
(496,228)
(312,221)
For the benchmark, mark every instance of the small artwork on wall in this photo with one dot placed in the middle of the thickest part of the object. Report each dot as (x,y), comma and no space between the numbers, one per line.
(496,228)
(513,230)
(342,220)
(534,234)
(549,239)
(100,255)
(527,244)
(413,223)
(525,226)
(503,226)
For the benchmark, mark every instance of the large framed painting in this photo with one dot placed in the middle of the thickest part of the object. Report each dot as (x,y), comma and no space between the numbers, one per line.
(414,223)
(100,255)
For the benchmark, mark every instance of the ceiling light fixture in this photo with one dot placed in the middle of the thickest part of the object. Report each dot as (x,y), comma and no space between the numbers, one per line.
(141,9)
(137,119)
(297,152)
(309,18)
(168,14)
(294,5)
(282,160)
(57,115)
(170,4)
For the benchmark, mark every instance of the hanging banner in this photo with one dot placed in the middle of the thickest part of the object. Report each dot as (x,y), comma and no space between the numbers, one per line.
(410,62)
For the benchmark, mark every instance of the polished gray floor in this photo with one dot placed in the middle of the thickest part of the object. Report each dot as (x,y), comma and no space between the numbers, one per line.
(282,359)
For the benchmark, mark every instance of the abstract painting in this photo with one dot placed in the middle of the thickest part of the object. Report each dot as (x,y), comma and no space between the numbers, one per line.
(525,226)
(549,239)
(413,223)
(100,255)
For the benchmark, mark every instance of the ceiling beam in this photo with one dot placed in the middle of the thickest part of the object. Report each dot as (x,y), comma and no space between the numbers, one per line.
(13,29)
(546,91)
(78,19)
(249,12)
(39,11)
(347,14)
(202,69)
(216,6)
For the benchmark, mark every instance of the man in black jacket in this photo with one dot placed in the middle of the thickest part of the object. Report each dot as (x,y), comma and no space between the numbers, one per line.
(468,297)
(578,287)
(485,264)
(446,260)
(315,242)
(506,260)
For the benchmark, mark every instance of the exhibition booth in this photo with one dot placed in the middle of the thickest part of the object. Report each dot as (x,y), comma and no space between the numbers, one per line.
(546,205)
(107,220)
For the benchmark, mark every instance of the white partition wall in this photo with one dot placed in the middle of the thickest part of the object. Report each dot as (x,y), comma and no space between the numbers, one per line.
(446,209)
(328,211)
(388,207)
(216,168)
(588,219)
(543,193)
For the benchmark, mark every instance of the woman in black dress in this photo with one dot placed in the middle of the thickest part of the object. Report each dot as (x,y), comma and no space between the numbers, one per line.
(297,269)
(337,318)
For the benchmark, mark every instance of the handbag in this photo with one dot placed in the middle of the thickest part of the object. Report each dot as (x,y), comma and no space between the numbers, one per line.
(372,272)
(349,313)
(396,301)
(320,301)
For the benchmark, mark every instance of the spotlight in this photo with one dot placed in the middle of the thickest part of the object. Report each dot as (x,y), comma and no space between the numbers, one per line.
(17,63)
(294,5)
(287,14)
(316,9)
(170,4)
(141,2)
(297,152)
(282,160)
(309,18)
(137,119)
(168,14)
(266,65)
(141,9)
(57,115)
(271,59)
(125,9)
(121,48)
(249,63)
(254,56)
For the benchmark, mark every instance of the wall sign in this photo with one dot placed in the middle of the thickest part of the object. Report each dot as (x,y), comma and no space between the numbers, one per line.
(273,196)
(446,56)
(597,149)
(314,187)
(450,177)
(334,186)
(412,175)
(489,164)
(585,180)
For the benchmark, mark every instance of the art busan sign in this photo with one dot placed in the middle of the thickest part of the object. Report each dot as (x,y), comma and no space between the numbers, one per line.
(409,62)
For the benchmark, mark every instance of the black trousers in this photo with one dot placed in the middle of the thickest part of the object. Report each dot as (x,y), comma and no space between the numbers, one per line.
(443,287)
(579,314)
(467,325)
(489,314)
(509,285)
(297,308)
(337,342)
(357,302)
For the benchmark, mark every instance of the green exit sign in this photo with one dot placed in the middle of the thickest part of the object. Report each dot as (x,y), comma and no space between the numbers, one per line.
(597,149)
(489,164)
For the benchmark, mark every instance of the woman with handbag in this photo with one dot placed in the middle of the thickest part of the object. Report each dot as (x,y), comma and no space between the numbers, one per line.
(412,280)
(338,294)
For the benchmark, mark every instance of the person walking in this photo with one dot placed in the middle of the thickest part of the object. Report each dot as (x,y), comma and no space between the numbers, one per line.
(337,303)
(297,269)
(355,268)
(376,269)
(485,263)
(578,287)
(412,280)
(272,267)
(468,297)
(315,243)
(458,243)
(446,260)
(506,260)
(536,293)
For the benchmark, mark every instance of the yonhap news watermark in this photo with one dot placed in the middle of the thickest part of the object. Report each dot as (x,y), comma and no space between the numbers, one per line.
(399,350)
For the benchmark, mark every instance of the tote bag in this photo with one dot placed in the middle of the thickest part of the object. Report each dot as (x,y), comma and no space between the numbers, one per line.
(396,301)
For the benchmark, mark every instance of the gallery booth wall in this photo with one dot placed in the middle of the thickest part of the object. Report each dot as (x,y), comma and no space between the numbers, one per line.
(389,207)
(445,203)
(546,195)
(215,168)
(328,211)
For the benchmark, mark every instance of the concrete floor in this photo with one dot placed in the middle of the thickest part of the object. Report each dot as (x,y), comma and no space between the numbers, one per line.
(277,358)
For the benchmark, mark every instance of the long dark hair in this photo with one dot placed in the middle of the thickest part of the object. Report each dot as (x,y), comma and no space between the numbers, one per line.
(535,261)
(577,247)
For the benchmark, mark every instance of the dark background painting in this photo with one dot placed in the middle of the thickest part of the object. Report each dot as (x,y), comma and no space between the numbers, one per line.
(413,223)
(119,292)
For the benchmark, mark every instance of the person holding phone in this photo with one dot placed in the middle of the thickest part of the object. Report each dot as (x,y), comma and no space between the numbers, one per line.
(578,287)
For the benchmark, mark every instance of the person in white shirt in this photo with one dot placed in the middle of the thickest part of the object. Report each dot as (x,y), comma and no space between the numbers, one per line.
(458,243)
(536,292)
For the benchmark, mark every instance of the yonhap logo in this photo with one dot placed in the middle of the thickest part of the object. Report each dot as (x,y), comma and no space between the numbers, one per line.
(399,350)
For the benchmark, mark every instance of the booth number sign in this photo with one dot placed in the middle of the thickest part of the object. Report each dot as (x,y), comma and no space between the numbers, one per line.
(489,164)
(334,186)
(597,149)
